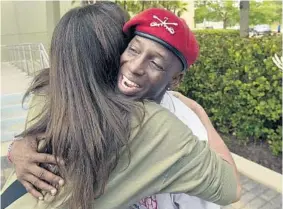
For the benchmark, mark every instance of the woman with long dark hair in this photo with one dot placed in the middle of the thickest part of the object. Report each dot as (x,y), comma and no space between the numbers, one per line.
(113,150)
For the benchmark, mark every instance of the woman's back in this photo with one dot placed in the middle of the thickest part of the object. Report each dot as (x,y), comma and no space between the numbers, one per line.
(81,118)
(165,157)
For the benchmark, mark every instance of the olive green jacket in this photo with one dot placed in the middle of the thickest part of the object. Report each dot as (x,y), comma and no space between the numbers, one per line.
(165,158)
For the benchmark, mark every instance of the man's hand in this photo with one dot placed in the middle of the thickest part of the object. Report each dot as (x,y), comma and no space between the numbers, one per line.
(26,160)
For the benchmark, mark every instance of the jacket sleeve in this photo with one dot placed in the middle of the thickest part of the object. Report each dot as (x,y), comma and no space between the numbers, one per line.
(199,171)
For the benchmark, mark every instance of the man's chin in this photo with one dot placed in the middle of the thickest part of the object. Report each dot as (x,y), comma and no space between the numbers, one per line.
(133,96)
(130,95)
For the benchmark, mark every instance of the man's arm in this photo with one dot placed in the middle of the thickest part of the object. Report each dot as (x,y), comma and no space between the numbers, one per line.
(215,141)
(26,159)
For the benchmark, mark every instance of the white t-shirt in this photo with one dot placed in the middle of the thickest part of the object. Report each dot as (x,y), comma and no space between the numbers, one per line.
(187,116)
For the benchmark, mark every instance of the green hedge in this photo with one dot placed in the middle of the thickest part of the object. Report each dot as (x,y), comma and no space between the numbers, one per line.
(238,84)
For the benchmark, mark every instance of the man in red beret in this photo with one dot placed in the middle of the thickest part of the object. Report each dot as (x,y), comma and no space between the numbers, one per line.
(161,50)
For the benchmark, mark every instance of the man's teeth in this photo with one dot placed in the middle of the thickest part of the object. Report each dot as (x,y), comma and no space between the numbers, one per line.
(129,83)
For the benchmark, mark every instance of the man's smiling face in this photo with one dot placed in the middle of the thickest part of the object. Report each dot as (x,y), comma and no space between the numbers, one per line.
(147,68)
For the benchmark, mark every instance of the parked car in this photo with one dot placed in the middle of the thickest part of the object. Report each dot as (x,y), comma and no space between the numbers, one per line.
(262,30)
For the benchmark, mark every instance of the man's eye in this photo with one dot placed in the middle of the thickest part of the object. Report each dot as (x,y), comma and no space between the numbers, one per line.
(157,66)
(133,49)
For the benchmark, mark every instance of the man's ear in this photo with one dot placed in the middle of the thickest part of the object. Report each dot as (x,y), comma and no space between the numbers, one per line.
(177,79)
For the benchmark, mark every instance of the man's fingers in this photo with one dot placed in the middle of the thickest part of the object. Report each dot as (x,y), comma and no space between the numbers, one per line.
(45,158)
(46,175)
(36,182)
(30,189)
(40,136)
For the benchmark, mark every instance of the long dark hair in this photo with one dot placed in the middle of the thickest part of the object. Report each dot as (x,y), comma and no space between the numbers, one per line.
(85,120)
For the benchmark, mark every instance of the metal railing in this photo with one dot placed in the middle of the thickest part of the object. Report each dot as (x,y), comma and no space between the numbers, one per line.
(27,56)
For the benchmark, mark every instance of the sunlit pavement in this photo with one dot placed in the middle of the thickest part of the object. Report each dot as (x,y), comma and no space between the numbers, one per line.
(256,196)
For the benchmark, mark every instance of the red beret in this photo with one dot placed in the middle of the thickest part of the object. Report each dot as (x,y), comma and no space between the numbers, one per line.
(167,29)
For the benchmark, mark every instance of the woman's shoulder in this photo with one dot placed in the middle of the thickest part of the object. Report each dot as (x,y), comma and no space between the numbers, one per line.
(152,112)
(158,120)
(152,108)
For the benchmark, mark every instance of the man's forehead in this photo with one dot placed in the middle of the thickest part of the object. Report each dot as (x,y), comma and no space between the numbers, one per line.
(153,45)
(155,48)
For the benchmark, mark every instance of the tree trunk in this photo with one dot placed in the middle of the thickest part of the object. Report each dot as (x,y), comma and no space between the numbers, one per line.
(244,18)
(125,5)
(168,6)
(87,2)
(225,23)
(143,4)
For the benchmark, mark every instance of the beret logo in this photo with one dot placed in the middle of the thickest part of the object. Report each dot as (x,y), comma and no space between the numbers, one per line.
(164,24)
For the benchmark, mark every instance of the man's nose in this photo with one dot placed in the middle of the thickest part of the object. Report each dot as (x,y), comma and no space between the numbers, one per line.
(137,66)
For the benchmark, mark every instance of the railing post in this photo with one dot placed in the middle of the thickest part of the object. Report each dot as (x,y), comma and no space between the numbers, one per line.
(44,56)
(15,55)
(19,56)
(12,55)
(41,58)
(22,60)
(25,60)
(25,57)
(31,58)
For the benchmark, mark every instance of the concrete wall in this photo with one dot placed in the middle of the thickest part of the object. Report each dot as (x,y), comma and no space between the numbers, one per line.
(23,22)
(189,15)
(30,21)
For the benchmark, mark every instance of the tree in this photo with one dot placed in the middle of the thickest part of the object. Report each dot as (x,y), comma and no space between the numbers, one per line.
(260,12)
(201,13)
(134,7)
(84,2)
(217,10)
(265,12)
(225,11)
(177,7)
(244,18)
(131,6)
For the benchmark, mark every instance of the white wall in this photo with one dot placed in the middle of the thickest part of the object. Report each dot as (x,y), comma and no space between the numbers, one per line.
(23,21)
(190,15)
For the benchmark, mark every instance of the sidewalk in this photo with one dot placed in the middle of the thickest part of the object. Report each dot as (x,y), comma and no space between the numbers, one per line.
(256,196)
(13,80)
